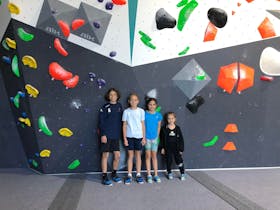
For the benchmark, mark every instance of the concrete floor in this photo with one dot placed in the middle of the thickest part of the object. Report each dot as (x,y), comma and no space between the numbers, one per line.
(22,189)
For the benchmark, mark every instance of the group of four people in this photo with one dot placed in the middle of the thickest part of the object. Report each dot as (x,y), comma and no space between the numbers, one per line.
(139,128)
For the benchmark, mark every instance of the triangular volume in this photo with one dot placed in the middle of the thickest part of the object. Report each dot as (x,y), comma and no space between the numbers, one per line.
(96,23)
(132,6)
(231,128)
(229,146)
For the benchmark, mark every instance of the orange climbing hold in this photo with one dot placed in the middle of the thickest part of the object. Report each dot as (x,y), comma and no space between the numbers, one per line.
(77,23)
(228,77)
(229,146)
(210,32)
(119,2)
(246,77)
(64,27)
(58,46)
(71,83)
(231,128)
(238,4)
(249,1)
(266,29)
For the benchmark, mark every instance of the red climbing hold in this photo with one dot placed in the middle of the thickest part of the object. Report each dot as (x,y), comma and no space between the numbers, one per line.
(58,72)
(64,28)
(71,83)
(266,78)
(210,33)
(77,23)
(119,2)
(58,46)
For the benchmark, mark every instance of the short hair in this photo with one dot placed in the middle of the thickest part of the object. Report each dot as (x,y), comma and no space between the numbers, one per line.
(149,100)
(132,94)
(109,91)
(167,114)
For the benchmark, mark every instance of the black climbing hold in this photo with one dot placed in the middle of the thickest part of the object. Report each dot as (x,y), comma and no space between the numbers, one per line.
(164,20)
(218,17)
(109,6)
(193,104)
(113,54)
(96,24)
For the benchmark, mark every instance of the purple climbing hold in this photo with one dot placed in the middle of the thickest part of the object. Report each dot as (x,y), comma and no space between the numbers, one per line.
(113,54)
(96,24)
(6,59)
(109,5)
(92,76)
(23,114)
(100,0)
(101,83)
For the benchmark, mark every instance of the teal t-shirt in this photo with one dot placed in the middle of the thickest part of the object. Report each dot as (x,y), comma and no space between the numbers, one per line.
(151,123)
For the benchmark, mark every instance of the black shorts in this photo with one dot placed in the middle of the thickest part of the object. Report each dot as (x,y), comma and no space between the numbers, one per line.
(134,144)
(111,145)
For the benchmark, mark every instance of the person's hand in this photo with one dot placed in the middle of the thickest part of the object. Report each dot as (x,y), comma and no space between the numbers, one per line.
(162,151)
(125,142)
(143,141)
(104,139)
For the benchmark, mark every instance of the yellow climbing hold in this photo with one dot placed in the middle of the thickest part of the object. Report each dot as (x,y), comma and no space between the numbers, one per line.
(26,121)
(28,60)
(65,132)
(14,9)
(45,153)
(11,43)
(32,91)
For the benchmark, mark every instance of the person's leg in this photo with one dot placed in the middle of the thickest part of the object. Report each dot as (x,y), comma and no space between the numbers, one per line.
(179,161)
(130,161)
(148,162)
(104,160)
(138,161)
(117,156)
(155,162)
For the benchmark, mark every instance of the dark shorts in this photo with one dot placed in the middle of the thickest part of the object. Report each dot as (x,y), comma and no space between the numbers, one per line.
(134,144)
(111,145)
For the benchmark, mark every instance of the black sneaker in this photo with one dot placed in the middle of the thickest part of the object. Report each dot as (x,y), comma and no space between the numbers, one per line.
(106,181)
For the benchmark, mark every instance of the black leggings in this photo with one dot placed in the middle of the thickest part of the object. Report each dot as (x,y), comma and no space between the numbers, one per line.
(171,152)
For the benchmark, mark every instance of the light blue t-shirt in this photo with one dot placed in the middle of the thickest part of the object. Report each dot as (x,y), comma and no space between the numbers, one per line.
(151,123)
(133,118)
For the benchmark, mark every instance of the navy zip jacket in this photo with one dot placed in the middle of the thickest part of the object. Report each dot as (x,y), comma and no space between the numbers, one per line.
(110,120)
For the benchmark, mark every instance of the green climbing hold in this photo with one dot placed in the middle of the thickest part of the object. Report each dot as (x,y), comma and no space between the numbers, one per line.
(4,45)
(158,109)
(74,164)
(200,77)
(184,51)
(34,163)
(185,14)
(146,40)
(212,142)
(15,68)
(16,100)
(43,126)
(182,3)
(24,35)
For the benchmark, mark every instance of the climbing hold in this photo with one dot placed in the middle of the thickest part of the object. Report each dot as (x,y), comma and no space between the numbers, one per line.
(58,46)
(184,51)
(6,59)
(11,43)
(32,91)
(269,62)
(15,68)
(113,54)
(212,142)
(185,13)
(15,99)
(218,17)
(64,27)
(24,35)
(246,77)
(101,83)
(77,23)
(14,9)
(210,32)
(96,24)
(146,40)
(58,72)
(119,2)
(65,132)
(26,121)
(229,146)
(266,78)
(182,3)
(34,163)
(74,164)
(45,153)
(231,128)
(201,76)
(266,29)
(195,103)
(91,76)
(4,45)
(29,61)
(109,6)
(71,83)
(43,126)
(164,19)
(228,77)
(100,1)
(158,109)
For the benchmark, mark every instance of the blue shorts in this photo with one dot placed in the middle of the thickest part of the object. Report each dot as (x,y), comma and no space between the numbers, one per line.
(134,144)
(152,144)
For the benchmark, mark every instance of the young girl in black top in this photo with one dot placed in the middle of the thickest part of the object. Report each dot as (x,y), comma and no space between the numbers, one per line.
(172,144)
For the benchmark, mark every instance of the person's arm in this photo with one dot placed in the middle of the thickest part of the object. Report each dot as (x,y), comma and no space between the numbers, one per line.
(181,140)
(162,141)
(102,124)
(144,132)
(125,142)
